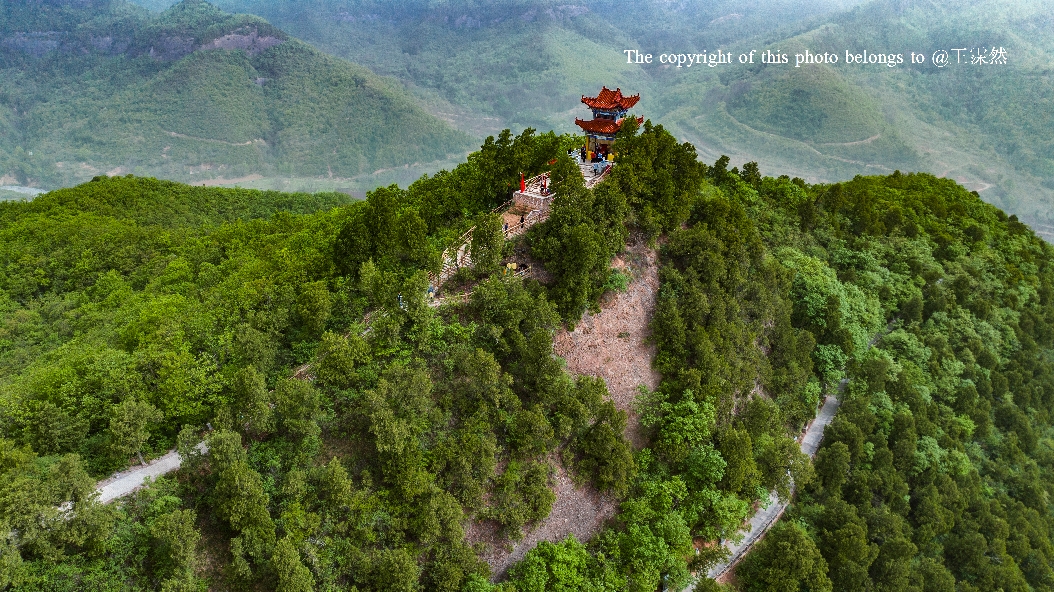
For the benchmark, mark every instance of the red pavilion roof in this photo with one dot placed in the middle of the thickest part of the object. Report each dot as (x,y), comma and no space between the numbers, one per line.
(602,126)
(610,100)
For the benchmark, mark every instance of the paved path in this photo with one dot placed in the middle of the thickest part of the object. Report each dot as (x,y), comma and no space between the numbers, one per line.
(814,435)
(765,518)
(125,482)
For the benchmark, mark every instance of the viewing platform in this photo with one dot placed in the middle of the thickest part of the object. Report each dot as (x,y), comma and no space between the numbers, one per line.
(536,193)
(595,172)
(528,207)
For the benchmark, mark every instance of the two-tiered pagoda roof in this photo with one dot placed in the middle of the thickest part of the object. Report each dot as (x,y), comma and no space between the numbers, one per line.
(611,100)
(609,108)
(604,127)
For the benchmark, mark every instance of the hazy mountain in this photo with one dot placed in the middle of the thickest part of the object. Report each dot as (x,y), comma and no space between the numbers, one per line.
(104,86)
(988,126)
(487,65)
(519,63)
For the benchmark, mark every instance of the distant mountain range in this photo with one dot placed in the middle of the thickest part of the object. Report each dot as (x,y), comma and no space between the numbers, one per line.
(188,91)
(486,65)
(95,87)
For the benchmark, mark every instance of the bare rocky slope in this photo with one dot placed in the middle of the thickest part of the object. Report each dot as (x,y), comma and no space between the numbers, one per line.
(613,345)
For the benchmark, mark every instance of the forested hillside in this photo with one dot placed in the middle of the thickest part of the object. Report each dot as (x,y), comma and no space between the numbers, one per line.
(526,63)
(191,93)
(139,314)
(936,474)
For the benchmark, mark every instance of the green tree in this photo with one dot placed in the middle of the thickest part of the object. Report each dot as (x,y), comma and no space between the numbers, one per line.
(239,495)
(521,495)
(389,569)
(530,432)
(585,229)
(51,504)
(752,174)
(313,306)
(250,400)
(741,473)
(487,242)
(417,250)
(293,576)
(297,409)
(660,176)
(335,486)
(175,541)
(786,560)
(130,427)
(843,541)
(337,359)
(464,462)
(11,565)
(51,429)
(929,575)
(832,467)
(681,425)
(377,285)
(605,455)
(549,567)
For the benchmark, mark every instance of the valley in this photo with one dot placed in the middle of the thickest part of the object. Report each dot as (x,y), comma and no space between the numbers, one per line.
(195,93)
(566,51)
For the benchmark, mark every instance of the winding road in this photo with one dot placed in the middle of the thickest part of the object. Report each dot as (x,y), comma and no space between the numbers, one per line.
(765,518)
(125,482)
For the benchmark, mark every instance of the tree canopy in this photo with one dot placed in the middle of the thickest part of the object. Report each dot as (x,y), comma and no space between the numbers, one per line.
(139,315)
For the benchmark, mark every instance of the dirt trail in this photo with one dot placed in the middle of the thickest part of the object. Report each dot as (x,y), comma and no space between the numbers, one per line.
(612,344)
(580,511)
(856,143)
(214,141)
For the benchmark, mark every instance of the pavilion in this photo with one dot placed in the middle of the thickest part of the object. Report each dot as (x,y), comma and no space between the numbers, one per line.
(609,109)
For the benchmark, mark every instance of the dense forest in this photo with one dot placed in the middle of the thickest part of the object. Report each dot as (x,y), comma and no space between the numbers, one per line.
(140,315)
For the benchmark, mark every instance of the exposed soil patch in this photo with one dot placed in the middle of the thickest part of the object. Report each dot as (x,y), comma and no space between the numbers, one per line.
(172,48)
(513,220)
(613,344)
(251,41)
(578,511)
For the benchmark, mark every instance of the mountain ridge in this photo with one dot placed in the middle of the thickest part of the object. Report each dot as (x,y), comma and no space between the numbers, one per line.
(194,93)
(989,130)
